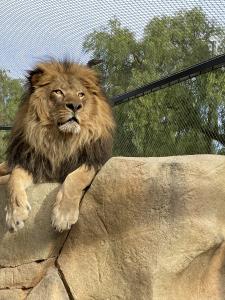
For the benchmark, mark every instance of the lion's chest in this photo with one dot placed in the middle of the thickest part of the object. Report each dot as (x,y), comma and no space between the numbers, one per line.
(46,170)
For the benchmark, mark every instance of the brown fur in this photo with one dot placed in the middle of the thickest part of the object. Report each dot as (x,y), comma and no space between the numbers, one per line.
(62,132)
(36,142)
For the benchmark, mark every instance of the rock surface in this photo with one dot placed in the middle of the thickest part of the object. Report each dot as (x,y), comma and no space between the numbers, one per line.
(13,294)
(24,276)
(37,240)
(149,229)
(49,288)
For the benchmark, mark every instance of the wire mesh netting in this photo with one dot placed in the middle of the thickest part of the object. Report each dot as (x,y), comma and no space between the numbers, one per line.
(187,118)
(31,29)
(138,42)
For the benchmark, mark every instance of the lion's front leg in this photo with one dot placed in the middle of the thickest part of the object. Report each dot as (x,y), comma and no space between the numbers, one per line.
(66,209)
(18,207)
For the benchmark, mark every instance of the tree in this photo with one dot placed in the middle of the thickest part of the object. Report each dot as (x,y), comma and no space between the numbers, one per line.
(10,95)
(184,119)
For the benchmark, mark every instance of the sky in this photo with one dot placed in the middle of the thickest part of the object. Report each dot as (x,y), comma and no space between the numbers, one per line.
(31,30)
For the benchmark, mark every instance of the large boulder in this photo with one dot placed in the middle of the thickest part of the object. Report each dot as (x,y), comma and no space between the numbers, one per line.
(149,229)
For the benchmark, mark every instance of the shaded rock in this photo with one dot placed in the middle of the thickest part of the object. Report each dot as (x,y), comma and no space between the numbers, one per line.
(150,229)
(24,276)
(37,240)
(49,288)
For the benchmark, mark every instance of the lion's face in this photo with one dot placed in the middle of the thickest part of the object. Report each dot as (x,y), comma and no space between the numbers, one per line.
(67,103)
(64,96)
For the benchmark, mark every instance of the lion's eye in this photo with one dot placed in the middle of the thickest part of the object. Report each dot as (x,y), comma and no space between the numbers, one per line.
(80,94)
(58,92)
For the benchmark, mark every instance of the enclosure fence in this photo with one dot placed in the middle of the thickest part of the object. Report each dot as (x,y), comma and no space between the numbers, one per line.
(163,66)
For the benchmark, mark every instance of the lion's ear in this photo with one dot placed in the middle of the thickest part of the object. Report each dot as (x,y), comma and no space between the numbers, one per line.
(93,62)
(34,76)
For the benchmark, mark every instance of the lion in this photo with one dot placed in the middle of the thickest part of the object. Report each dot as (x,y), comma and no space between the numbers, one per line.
(63,132)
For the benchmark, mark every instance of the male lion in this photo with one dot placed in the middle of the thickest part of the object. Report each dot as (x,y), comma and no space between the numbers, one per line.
(62,132)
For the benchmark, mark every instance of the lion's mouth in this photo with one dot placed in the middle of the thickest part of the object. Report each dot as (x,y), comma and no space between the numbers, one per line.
(69,121)
(72,125)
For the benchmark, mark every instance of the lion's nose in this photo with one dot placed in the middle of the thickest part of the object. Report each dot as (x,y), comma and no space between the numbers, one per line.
(74,106)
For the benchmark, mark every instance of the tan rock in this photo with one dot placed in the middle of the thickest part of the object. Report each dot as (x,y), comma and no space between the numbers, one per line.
(14,294)
(24,276)
(37,240)
(49,288)
(150,229)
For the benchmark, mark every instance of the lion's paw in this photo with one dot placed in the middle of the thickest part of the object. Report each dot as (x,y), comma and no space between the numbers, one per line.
(63,219)
(16,215)
(17,212)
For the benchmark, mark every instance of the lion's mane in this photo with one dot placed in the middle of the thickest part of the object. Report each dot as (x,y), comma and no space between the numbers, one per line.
(37,145)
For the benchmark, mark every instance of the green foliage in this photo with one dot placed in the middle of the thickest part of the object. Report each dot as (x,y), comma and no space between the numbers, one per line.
(10,95)
(186,118)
